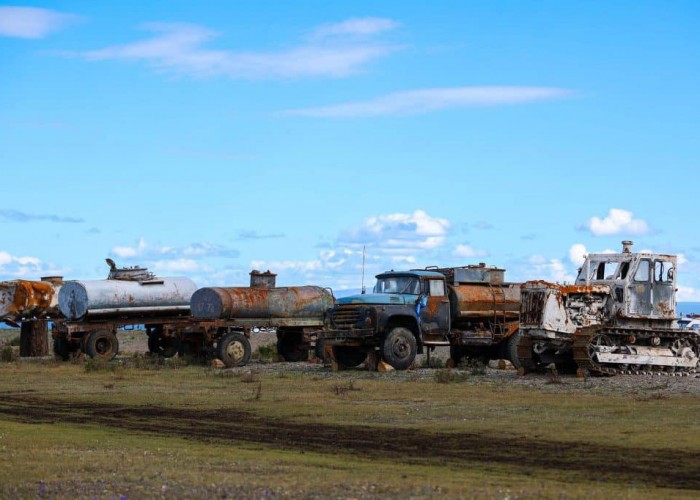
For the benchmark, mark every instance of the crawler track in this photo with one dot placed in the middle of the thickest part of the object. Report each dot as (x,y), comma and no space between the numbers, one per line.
(585,338)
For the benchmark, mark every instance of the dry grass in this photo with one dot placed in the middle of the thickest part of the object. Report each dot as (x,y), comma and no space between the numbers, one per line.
(74,455)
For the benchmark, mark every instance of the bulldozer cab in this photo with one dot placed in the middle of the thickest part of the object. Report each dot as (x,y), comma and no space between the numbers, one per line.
(643,284)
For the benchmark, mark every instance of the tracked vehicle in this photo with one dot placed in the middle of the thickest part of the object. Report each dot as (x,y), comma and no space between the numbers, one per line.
(618,317)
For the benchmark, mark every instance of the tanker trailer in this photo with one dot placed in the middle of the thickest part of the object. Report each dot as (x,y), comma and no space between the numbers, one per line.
(297,313)
(23,299)
(470,309)
(95,309)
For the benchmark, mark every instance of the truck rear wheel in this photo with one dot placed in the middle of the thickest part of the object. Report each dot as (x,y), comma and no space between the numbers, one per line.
(399,348)
(290,346)
(348,356)
(234,350)
(102,344)
(511,350)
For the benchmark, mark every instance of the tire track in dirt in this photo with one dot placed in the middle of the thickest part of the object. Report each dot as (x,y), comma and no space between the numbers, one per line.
(653,467)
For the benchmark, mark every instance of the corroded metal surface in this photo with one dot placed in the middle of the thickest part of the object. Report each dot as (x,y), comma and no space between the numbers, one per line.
(78,299)
(244,302)
(479,301)
(28,299)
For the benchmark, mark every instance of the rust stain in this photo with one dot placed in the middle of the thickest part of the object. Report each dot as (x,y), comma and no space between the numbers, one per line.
(25,298)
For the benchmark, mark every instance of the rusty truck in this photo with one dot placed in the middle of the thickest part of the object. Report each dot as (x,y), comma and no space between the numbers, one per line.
(619,316)
(471,309)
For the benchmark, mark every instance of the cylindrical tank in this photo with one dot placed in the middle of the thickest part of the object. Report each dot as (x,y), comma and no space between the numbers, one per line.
(484,301)
(78,299)
(243,302)
(28,299)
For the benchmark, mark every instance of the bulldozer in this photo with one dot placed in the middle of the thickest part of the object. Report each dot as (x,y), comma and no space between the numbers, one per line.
(618,317)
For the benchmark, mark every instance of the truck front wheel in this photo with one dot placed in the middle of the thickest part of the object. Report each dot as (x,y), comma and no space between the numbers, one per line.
(399,348)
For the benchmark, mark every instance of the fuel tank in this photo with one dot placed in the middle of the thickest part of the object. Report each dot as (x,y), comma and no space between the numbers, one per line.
(117,297)
(474,301)
(29,299)
(244,302)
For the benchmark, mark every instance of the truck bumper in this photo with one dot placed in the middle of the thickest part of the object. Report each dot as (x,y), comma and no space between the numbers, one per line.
(349,337)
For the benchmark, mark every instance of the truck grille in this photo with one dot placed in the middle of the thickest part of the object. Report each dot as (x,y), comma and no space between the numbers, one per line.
(532,307)
(345,317)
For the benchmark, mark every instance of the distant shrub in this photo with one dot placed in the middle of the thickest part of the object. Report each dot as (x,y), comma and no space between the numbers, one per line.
(93,365)
(8,354)
(266,353)
(476,367)
(343,389)
(432,362)
(446,376)
(15,341)
(249,376)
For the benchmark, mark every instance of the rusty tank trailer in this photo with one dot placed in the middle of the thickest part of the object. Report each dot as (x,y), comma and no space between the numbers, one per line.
(297,313)
(618,317)
(24,299)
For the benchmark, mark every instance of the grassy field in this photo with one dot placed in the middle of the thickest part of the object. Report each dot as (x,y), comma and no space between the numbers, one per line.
(134,428)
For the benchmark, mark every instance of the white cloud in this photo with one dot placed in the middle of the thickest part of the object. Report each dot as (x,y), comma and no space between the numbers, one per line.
(333,50)
(542,268)
(24,267)
(577,254)
(130,252)
(468,251)
(178,266)
(30,22)
(427,100)
(399,233)
(687,294)
(618,221)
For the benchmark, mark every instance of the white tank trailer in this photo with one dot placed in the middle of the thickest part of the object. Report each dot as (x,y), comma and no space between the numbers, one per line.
(78,300)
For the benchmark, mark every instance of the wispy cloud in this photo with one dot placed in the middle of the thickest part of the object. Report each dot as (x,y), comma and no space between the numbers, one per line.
(332,50)
(17,216)
(618,221)
(14,267)
(31,22)
(157,253)
(426,100)
(247,234)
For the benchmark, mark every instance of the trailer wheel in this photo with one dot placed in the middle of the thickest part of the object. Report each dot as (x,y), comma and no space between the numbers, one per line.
(163,346)
(290,346)
(234,350)
(399,348)
(102,344)
(511,350)
(348,356)
(61,348)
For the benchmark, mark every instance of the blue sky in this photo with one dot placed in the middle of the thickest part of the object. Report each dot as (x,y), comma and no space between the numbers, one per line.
(210,138)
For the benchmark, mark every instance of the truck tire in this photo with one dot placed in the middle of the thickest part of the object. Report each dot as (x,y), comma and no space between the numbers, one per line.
(348,356)
(163,346)
(399,348)
(233,349)
(102,344)
(320,351)
(511,349)
(290,346)
(61,348)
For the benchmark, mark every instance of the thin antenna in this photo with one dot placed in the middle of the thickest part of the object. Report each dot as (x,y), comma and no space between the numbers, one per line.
(363,270)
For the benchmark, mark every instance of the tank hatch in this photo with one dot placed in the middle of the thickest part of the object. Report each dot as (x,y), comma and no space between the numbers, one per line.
(134,273)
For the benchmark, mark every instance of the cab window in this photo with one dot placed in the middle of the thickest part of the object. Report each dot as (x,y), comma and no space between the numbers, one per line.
(642,273)
(437,288)
(663,271)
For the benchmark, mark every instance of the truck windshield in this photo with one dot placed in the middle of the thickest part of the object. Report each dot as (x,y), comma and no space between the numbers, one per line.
(398,284)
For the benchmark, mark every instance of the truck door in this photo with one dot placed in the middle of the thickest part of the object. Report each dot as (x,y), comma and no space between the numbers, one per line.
(662,296)
(640,290)
(435,315)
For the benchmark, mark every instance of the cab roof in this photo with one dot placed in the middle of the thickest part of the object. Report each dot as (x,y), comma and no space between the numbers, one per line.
(414,273)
